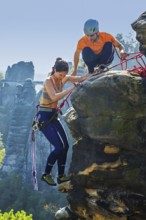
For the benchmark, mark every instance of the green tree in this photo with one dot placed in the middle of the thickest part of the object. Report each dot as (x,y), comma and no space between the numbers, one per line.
(2,150)
(1,142)
(20,215)
(42,205)
(130,44)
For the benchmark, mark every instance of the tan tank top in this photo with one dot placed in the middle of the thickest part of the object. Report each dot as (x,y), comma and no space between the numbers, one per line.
(45,99)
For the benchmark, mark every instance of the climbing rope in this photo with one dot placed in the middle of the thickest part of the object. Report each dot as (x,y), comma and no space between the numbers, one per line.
(34,172)
(141,69)
(63,102)
(138,56)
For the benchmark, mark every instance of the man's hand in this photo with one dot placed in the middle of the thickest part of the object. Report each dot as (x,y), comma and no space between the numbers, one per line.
(123,55)
(74,73)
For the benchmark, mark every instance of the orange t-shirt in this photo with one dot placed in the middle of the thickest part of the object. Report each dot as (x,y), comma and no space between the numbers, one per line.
(98,45)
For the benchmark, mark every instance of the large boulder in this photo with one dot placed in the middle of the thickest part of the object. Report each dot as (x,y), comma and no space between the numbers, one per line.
(108,163)
(111,109)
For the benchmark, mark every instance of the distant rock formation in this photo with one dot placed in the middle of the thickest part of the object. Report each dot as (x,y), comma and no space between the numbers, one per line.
(140,27)
(17,108)
(20,71)
(11,89)
(19,128)
(108,165)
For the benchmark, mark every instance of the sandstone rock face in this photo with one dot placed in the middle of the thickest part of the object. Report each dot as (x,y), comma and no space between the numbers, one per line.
(20,72)
(108,165)
(111,109)
(140,27)
(19,128)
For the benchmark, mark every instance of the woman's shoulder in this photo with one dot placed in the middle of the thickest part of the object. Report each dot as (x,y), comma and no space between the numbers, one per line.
(48,78)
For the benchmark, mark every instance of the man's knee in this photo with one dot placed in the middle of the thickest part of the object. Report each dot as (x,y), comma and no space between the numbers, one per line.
(86,51)
(108,46)
(88,55)
(107,54)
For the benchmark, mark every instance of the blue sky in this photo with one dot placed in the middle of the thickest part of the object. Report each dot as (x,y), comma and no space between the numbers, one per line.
(41,30)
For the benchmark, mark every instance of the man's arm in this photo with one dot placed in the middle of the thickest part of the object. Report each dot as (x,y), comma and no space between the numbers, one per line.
(121,50)
(76,61)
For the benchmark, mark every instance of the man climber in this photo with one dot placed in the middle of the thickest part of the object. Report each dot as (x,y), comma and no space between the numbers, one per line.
(97,48)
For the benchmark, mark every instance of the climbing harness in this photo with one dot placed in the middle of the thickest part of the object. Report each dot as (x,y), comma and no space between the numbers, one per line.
(38,126)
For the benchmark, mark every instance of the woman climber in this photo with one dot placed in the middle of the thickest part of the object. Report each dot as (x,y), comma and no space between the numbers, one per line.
(53,130)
